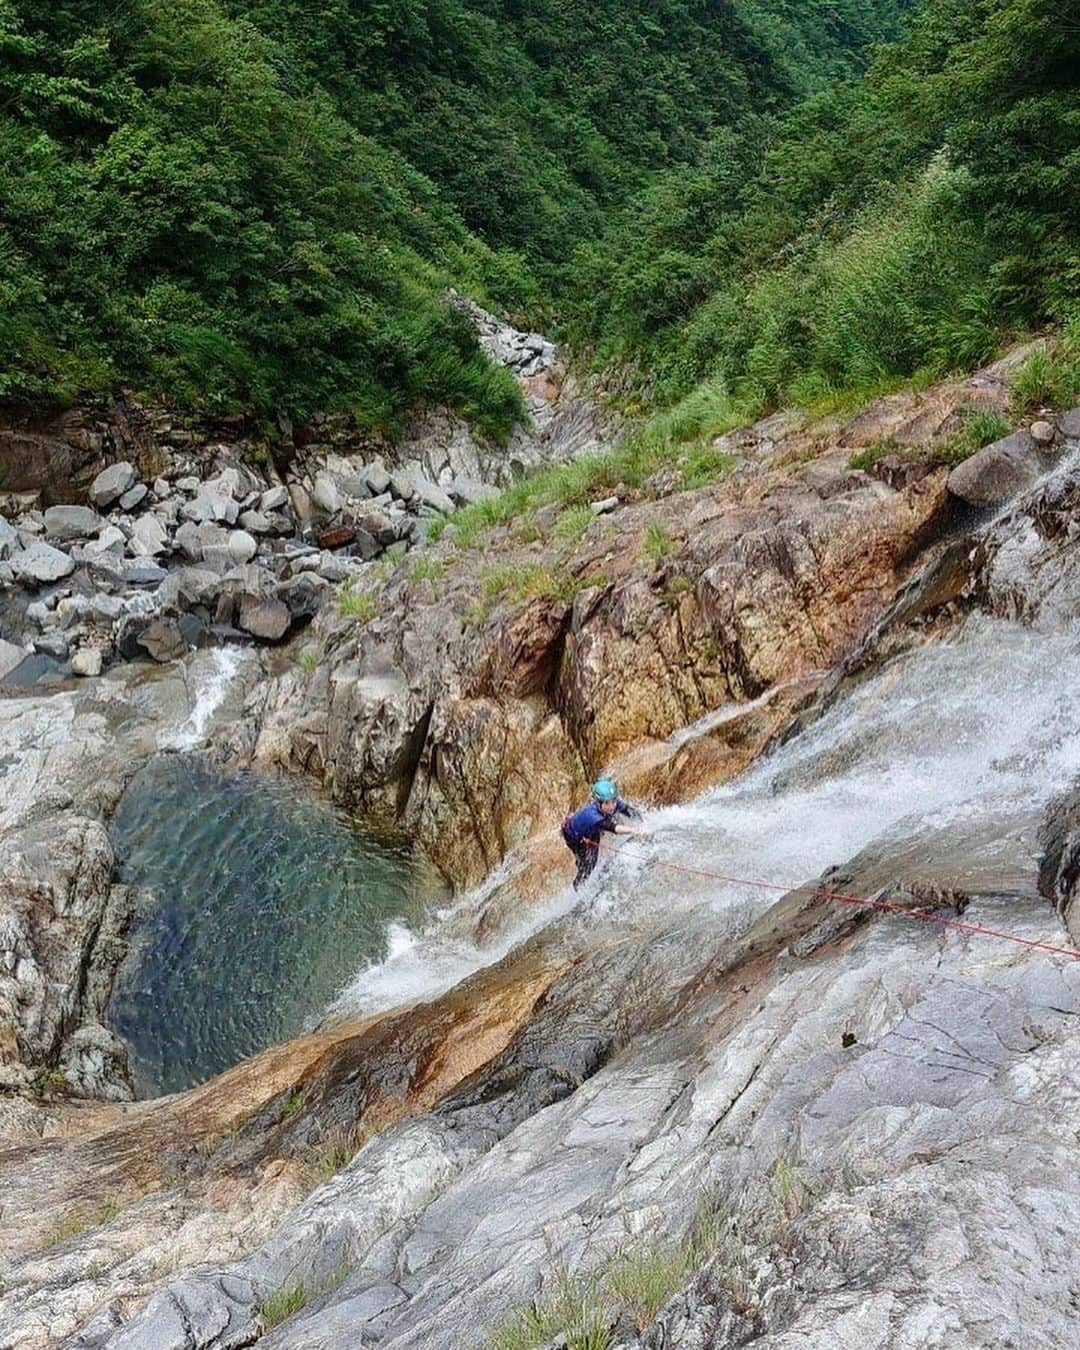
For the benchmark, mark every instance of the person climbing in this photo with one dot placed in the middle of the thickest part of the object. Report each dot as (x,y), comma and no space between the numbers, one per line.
(581,831)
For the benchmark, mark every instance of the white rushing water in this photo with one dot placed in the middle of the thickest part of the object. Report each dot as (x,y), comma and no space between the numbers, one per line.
(210,676)
(946,756)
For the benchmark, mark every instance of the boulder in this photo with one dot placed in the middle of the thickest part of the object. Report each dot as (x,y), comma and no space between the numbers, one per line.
(148,538)
(1059,866)
(997,472)
(64,523)
(353,486)
(304,595)
(325,496)
(110,540)
(57,645)
(187,541)
(133,497)
(187,587)
(11,655)
(604,506)
(87,661)
(380,528)
(242,546)
(338,537)
(273,499)
(401,487)
(161,488)
(265,617)
(163,640)
(467,491)
(1042,433)
(255,522)
(433,496)
(214,501)
(41,563)
(190,485)
(378,480)
(111,484)
(1069,424)
(9,539)
(143,572)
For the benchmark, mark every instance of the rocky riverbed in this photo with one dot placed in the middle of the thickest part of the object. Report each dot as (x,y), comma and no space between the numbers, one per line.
(675,1109)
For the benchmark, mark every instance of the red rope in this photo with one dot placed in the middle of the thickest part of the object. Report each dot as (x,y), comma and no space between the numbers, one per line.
(819,894)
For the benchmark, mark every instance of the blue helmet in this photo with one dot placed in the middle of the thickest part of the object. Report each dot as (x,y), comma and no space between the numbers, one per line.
(604,790)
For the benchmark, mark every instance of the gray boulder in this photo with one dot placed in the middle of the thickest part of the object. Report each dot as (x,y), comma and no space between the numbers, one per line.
(111,484)
(11,655)
(109,540)
(215,501)
(143,572)
(304,595)
(401,486)
(1069,424)
(133,497)
(188,587)
(64,523)
(997,472)
(242,546)
(378,480)
(9,539)
(467,491)
(255,522)
(148,538)
(433,496)
(265,617)
(41,563)
(57,645)
(379,527)
(273,499)
(325,495)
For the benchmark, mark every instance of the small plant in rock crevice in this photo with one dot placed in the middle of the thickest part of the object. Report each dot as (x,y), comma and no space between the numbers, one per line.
(634,1280)
(869,455)
(426,568)
(293,1295)
(310,658)
(572,523)
(981,427)
(658,542)
(356,604)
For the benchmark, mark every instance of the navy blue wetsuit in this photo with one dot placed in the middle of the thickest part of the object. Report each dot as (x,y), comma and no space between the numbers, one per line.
(581,831)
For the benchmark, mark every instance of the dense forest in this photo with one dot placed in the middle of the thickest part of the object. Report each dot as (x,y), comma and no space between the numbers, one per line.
(261,203)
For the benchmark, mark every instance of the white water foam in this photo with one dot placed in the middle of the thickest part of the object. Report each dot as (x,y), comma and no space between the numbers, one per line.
(209,681)
(956,746)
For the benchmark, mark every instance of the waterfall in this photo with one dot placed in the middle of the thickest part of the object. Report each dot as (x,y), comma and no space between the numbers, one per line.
(210,679)
(941,761)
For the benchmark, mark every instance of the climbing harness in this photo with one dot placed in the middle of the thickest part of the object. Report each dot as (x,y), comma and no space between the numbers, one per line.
(866,902)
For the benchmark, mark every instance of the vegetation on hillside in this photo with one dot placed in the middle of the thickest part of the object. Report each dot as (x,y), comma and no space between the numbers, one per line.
(881,230)
(260,203)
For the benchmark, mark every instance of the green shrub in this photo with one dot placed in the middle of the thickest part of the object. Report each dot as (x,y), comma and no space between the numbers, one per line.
(1050,377)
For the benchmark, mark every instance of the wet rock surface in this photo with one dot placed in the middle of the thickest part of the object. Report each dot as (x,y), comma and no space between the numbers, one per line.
(877,1114)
